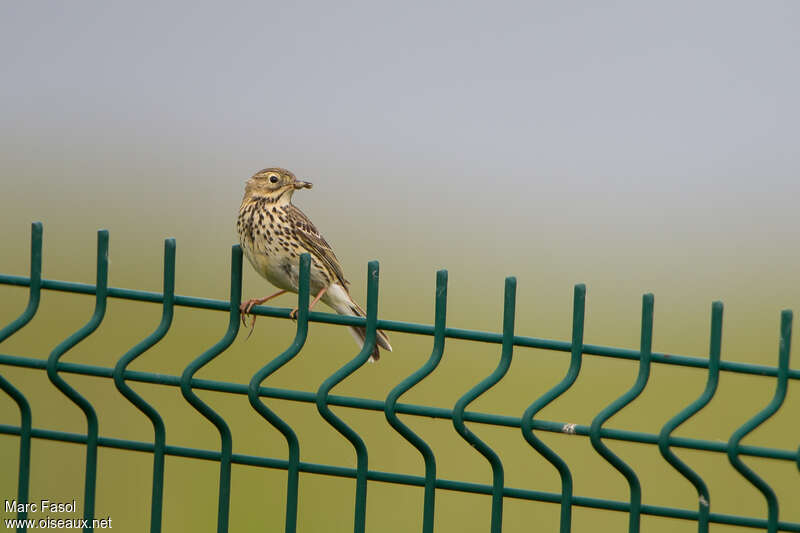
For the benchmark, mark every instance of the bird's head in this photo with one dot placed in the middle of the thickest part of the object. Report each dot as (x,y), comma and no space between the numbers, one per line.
(274,183)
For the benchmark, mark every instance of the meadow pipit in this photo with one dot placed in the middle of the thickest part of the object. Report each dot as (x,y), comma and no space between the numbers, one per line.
(274,233)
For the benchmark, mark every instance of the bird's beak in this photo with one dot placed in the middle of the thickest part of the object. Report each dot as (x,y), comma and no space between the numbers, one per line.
(302,184)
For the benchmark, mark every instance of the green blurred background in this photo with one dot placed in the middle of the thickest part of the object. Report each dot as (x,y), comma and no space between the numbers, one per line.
(633,147)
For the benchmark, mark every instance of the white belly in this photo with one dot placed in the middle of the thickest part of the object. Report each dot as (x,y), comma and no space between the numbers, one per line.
(281,269)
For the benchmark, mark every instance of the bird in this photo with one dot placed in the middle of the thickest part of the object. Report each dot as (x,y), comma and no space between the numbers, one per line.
(273,233)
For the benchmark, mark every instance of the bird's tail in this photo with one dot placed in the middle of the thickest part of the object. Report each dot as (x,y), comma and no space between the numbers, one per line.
(350,308)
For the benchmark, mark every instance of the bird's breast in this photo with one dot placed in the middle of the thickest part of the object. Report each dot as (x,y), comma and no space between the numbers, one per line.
(270,246)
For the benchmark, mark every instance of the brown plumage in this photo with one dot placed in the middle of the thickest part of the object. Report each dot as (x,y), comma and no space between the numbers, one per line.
(274,233)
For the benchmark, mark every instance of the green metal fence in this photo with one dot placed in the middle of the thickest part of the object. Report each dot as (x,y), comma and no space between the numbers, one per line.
(259,395)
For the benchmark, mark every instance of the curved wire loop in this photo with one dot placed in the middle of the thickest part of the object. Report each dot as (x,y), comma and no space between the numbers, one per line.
(777,400)
(578,316)
(26,418)
(226,449)
(35,294)
(253,390)
(359,523)
(122,376)
(646,346)
(412,380)
(715,350)
(159,431)
(487,383)
(101,296)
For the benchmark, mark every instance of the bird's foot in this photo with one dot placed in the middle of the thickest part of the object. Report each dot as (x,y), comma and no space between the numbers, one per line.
(293,312)
(244,310)
(246,307)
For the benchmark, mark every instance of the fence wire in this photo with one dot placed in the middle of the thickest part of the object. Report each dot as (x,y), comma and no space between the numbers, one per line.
(258,394)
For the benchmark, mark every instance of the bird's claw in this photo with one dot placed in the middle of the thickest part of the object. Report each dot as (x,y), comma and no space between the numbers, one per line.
(293,314)
(252,327)
(244,310)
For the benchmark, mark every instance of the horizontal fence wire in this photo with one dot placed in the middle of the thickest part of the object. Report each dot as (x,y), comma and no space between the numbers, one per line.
(258,394)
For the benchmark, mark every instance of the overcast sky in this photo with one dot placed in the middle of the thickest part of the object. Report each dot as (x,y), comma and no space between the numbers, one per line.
(552,120)
(625,91)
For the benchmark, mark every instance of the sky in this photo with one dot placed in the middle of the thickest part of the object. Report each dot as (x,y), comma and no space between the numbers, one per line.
(629,98)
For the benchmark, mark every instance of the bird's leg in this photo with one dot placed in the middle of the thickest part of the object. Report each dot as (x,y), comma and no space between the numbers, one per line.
(293,313)
(245,307)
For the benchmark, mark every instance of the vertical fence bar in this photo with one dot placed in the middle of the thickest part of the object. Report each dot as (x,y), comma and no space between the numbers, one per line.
(360,520)
(646,347)
(26,418)
(226,449)
(487,383)
(780,394)
(715,350)
(159,431)
(578,315)
(24,472)
(440,323)
(35,293)
(293,468)
(120,374)
(52,373)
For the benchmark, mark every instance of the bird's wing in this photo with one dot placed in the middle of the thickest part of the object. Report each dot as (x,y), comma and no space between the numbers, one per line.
(315,243)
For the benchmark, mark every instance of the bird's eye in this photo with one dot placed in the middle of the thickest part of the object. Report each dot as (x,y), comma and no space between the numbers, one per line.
(273,179)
